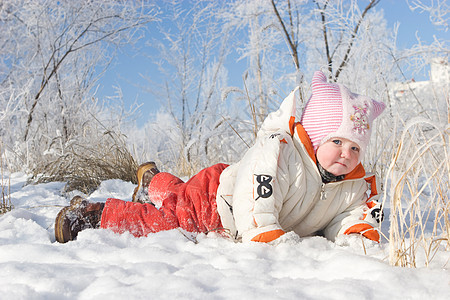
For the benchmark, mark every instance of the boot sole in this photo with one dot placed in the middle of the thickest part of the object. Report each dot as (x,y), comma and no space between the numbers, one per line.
(62,231)
(62,223)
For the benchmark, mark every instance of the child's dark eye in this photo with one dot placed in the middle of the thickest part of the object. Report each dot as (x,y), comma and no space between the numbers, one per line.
(337,142)
(356,149)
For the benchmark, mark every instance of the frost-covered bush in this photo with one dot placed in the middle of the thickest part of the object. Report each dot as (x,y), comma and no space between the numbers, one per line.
(418,183)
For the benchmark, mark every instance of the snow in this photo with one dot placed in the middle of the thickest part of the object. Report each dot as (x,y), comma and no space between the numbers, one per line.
(167,265)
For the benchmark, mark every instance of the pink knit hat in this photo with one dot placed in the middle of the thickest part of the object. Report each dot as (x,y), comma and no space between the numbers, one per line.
(333,111)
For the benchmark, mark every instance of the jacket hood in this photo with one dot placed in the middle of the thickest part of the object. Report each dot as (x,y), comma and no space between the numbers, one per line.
(283,118)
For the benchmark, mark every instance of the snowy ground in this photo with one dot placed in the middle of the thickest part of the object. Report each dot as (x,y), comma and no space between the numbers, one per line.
(166,265)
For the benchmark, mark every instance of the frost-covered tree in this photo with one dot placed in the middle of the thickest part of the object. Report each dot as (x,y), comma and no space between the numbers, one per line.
(269,47)
(284,42)
(438,11)
(51,53)
(276,43)
(190,56)
(341,23)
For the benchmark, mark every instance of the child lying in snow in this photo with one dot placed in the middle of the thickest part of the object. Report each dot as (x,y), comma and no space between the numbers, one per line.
(303,177)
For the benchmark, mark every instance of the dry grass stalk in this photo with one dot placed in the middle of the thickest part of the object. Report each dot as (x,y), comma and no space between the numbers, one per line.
(85,164)
(252,110)
(5,204)
(419,183)
(184,168)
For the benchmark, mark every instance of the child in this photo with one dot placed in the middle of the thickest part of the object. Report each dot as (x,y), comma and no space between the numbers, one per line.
(302,177)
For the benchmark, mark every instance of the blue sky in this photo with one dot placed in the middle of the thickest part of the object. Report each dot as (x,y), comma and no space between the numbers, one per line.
(127,69)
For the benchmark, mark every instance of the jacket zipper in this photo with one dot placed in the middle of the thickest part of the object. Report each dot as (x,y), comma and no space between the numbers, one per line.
(322,192)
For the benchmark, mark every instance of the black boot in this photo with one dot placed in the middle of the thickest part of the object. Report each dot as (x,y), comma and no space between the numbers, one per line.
(80,215)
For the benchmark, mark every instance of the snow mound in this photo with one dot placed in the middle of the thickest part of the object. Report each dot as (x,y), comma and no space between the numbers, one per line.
(169,265)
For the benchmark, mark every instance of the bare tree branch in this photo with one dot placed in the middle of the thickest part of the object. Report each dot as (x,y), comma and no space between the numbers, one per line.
(325,35)
(353,36)
(290,38)
(354,33)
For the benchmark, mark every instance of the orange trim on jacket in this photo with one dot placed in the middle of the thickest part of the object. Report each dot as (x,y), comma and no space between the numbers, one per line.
(268,236)
(366,230)
(373,187)
(306,141)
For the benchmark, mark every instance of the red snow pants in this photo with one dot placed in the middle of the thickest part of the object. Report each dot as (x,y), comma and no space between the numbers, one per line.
(191,205)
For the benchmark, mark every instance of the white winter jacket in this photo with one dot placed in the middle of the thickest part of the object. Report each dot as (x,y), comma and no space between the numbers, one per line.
(276,188)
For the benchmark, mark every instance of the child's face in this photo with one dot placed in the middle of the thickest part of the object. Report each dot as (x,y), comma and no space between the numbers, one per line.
(338,156)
